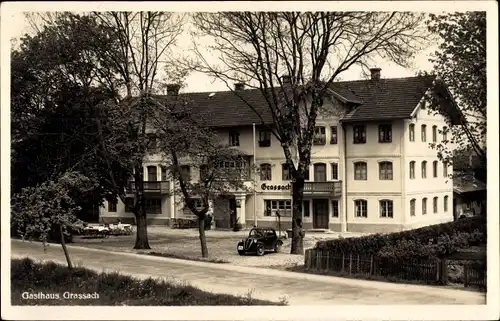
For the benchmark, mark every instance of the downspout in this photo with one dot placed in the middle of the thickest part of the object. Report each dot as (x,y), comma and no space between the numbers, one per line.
(344,180)
(254,179)
(403,176)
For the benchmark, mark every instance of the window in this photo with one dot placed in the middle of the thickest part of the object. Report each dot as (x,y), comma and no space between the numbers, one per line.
(360,171)
(265,138)
(445,135)
(204,172)
(153,206)
(384,133)
(335,208)
(307,209)
(333,135)
(434,169)
(319,136)
(424,205)
(284,207)
(285,173)
(435,204)
(151,142)
(412,132)
(129,204)
(445,169)
(413,203)
(112,206)
(234,139)
(185,172)
(152,174)
(412,169)
(385,171)
(424,169)
(386,208)
(359,134)
(335,171)
(320,172)
(360,208)
(434,133)
(445,203)
(265,172)
(424,133)
(163,173)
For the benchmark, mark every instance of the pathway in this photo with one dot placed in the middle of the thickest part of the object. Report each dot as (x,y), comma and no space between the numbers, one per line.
(267,284)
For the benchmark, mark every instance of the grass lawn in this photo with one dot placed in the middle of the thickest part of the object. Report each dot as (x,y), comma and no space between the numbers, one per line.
(32,278)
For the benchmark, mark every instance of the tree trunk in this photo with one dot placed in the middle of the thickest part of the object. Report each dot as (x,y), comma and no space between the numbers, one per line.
(297,246)
(65,249)
(141,239)
(203,238)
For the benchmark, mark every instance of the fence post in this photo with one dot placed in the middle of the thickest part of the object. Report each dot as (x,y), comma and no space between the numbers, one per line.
(343,261)
(327,261)
(318,260)
(371,264)
(350,263)
(357,265)
(466,277)
(308,255)
(444,272)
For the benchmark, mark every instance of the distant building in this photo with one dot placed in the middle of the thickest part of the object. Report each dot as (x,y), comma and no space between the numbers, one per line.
(372,169)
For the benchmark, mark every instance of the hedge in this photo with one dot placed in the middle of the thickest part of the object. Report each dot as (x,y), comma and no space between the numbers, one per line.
(426,242)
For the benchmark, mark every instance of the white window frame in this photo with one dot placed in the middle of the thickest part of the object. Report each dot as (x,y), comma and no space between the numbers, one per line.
(361,208)
(386,208)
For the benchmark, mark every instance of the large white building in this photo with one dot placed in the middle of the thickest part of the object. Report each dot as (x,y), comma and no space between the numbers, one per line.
(372,169)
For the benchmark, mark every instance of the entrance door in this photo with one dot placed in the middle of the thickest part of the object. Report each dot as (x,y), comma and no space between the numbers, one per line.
(232,212)
(320,213)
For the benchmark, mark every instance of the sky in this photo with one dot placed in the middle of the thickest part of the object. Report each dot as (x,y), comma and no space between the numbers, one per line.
(199,82)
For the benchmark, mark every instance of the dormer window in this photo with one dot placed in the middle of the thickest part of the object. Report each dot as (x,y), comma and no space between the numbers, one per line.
(319,136)
(234,138)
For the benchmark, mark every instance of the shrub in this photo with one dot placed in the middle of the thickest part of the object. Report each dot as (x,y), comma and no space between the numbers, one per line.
(426,242)
(113,288)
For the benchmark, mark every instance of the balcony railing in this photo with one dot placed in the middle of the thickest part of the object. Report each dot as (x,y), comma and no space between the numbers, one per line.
(160,187)
(324,188)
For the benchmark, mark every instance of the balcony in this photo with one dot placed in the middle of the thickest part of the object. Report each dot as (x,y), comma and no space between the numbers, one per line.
(331,189)
(153,187)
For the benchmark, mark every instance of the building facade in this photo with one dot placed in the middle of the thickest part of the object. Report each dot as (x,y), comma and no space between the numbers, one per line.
(372,168)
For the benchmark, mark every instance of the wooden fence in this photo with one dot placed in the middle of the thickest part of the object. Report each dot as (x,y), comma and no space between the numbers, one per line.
(475,275)
(371,265)
(429,271)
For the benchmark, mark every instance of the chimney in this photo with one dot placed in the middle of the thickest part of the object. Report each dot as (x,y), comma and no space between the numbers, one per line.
(239,86)
(173,89)
(375,73)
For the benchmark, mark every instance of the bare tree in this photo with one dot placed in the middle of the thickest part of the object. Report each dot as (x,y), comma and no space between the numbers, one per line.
(202,167)
(312,49)
(146,40)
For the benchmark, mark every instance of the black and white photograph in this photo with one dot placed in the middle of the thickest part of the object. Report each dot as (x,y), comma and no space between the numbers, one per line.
(265,160)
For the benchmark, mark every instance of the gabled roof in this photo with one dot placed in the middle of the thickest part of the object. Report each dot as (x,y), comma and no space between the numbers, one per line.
(382,99)
(386,99)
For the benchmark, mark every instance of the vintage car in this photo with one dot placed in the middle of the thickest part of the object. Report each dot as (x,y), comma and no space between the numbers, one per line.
(260,240)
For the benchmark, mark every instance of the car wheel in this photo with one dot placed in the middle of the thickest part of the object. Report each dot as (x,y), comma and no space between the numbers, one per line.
(260,249)
(277,246)
(241,252)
